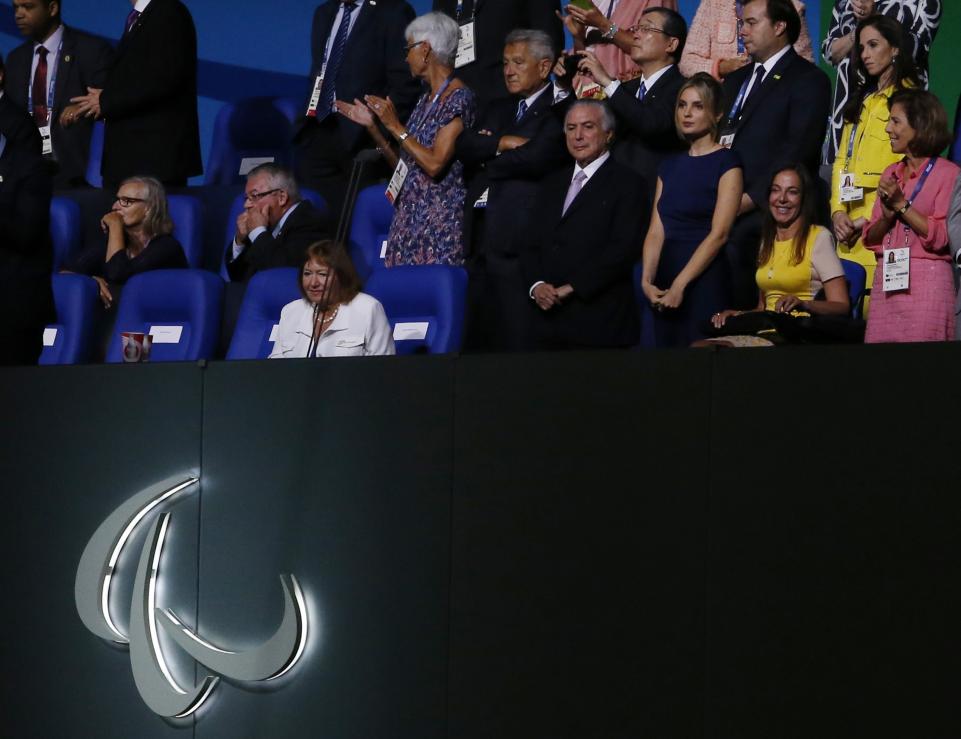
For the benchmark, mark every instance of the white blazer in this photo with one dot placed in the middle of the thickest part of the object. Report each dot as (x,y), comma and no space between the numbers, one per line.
(360,329)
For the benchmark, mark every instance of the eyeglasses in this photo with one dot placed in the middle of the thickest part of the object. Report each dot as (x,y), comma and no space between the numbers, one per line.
(647,29)
(255,197)
(127,202)
(411,46)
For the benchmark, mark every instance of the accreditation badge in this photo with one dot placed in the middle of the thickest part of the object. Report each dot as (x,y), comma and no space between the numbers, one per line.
(466,52)
(897,269)
(397,181)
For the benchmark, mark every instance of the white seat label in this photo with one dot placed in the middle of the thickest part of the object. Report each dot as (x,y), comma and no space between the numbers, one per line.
(411,331)
(49,336)
(166,334)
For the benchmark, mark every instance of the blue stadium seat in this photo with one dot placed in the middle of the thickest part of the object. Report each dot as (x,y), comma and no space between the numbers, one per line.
(249,129)
(68,341)
(267,293)
(238,205)
(65,230)
(293,109)
(188,216)
(955,153)
(165,300)
(429,298)
(93,175)
(856,276)
(368,230)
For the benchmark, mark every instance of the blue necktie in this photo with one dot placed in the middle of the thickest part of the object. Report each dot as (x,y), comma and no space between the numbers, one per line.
(521,111)
(758,79)
(641,91)
(327,92)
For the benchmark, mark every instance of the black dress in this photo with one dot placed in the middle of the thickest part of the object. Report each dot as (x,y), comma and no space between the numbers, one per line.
(161,252)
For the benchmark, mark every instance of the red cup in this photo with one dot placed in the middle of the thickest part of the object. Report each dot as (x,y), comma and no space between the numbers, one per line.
(135,346)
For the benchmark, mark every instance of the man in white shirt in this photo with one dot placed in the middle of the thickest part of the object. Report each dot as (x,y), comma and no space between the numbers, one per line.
(276,225)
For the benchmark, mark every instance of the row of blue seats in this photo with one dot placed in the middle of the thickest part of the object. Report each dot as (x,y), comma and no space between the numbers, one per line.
(370,224)
(182,309)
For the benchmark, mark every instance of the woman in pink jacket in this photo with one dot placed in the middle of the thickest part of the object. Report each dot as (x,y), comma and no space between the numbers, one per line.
(714,44)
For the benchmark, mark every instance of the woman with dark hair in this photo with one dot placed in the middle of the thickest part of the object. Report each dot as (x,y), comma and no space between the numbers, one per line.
(796,261)
(881,65)
(913,298)
(333,318)
(139,238)
(695,204)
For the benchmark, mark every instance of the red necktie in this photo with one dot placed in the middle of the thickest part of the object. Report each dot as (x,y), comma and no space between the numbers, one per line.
(40,113)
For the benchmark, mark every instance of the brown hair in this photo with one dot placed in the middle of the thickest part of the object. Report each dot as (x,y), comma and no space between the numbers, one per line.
(346,283)
(927,117)
(157,221)
(712,96)
(860,83)
(807,215)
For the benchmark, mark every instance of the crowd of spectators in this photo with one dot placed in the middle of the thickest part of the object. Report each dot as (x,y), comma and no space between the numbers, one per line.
(689,164)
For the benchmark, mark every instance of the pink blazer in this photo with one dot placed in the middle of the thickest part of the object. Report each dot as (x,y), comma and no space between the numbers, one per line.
(713,37)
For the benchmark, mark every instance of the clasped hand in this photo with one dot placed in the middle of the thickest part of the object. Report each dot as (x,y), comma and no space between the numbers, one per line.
(547,296)
(661,299)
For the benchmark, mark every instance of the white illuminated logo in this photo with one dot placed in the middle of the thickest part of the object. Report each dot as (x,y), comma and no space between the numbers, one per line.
(155,681)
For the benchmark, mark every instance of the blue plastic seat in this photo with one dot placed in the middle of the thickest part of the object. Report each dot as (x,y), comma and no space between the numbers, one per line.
(292,109)
(254,128)
(188,216)
(368,230)
(65,230)
(267,293)
(857,277)
(68,341)
(238,205)
(93,176)
(428,299)
(159,302)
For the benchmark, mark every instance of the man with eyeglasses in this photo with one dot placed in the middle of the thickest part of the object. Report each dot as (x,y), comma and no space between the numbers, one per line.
(276,225)
(644,107)
(26,253)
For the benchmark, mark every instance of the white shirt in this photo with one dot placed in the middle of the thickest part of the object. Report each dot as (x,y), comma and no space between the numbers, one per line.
(141,5)
(337,19)
(648,82)
(768,66)
(238,249)
(589,171)
(533,98)
(360,329)
(52,45)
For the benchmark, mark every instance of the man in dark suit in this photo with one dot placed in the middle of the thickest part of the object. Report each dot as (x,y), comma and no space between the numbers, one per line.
(26,253)
(149,100)
(517,141)
(644,107)
(57,63)
(777,111)
(580,257)
(493,20)
(357,49)
(276,226)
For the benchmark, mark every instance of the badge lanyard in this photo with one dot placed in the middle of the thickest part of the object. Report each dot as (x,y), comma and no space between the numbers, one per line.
(914,195)
(51,86)
(739,100)
(412,130)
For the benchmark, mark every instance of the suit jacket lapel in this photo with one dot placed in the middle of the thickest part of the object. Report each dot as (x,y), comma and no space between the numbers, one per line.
(771,80)
(662,81)
(364,19)
(64,66)
(596,181)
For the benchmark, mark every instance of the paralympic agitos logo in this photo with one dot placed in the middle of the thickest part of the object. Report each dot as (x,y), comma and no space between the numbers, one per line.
(155,681)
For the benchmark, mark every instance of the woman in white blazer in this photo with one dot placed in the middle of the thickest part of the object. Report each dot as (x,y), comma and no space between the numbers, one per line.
(334,318)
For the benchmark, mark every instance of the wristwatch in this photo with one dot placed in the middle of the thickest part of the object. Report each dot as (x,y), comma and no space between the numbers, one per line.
(403,137)
(610,32)
(903,209)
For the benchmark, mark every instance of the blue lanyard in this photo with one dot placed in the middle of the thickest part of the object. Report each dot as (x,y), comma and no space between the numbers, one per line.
(854,132)
(412,130)
(739,101)
(924,178)
(460,9)
(51,86)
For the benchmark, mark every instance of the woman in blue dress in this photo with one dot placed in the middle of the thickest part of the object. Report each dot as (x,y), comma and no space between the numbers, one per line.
(695,204)
(428,222)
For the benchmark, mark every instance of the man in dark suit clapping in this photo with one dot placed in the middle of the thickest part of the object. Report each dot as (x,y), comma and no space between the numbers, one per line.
(644,107)
(592,218)
(56,64)
(517,141)
(492,20)
(149,99)
(777,112)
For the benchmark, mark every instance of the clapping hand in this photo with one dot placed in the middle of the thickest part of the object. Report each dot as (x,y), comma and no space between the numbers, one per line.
(384,109)
(358,112)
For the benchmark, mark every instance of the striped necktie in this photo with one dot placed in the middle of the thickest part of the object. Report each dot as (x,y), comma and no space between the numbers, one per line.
(327,92)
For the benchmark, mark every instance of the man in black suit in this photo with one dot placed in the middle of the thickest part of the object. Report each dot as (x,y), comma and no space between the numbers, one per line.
(580,257)
(149,100)
(275,227)
(517,141)
(26,253)
(644,107)
(357,49)
(57,63)
(492,21)
(777,111)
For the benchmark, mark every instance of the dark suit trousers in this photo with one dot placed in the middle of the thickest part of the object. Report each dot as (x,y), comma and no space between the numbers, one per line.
(509,309)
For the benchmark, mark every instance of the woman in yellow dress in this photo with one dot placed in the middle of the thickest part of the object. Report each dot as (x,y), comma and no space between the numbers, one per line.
(881,64)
